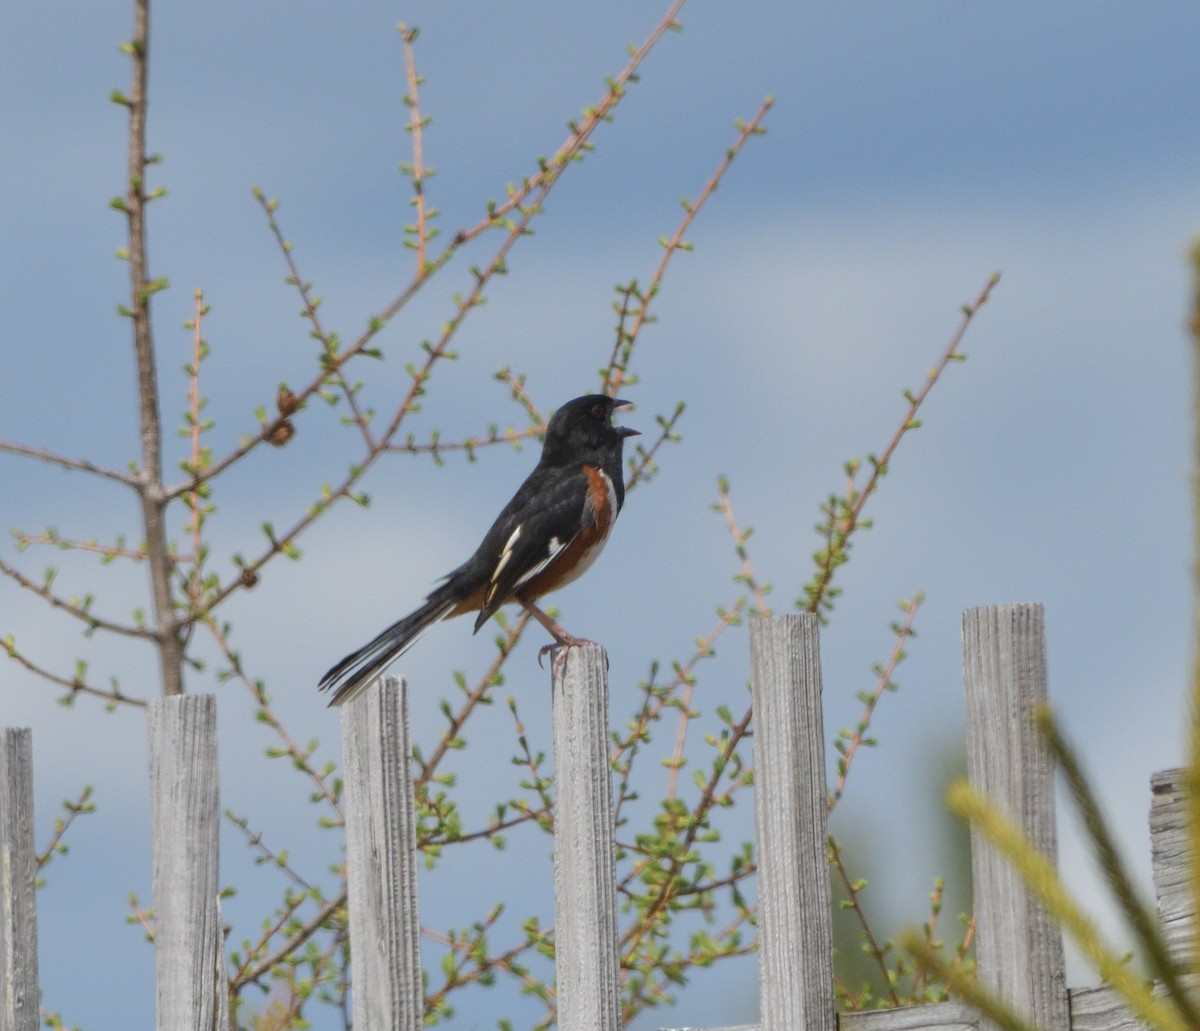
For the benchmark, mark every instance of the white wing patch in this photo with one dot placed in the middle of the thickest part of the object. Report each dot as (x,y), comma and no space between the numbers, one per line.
(556,546)
(552,552)
(506,554)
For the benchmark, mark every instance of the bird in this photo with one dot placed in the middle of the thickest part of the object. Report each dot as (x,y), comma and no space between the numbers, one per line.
(545,537)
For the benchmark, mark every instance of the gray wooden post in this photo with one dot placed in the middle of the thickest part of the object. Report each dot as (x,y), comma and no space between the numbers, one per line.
(1170,858)
(585,893)
(1018,946)
(18,871)
(189,961)
(795,911)
(381,859)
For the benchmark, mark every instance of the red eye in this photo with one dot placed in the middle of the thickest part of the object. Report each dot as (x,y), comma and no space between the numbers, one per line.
(598,412)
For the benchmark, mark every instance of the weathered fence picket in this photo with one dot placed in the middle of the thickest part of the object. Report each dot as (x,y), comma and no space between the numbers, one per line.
(1018,947)
(381,859)
(795,918)
(189,955)
(588,986)
(18,871)
(1019,950)
(1170,856)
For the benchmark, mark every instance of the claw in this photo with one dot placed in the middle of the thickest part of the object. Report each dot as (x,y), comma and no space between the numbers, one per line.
(560,650)
(562,639)
(558,662)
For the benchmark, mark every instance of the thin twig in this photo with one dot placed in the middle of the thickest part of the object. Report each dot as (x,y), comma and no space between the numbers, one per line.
(666,980)
(642,464)
(851,519)
(871,943)
(81,805)
(415,126)
(729,617)
(628,748)
(621,354)
(737,731)
(299,756)
(483,686)
(54,539)
(929,930)
(145,917)
(903,632)
(195,427)
(79,612)
(527,201)
(74,685)
(516,386)
(327,341)
(267,855)
(252,972)
(436,446)
(540,783)
(283,543)
(686,680)
(468,948)
(77,464)
(581,132)
(747,576)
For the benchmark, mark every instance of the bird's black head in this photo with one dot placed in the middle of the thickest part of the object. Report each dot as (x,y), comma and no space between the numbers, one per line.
(583,428)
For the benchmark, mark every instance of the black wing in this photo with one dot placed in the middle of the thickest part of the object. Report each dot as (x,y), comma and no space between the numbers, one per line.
(544,516)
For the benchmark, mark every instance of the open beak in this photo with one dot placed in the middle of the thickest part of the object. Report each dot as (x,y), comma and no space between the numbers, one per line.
(625,431)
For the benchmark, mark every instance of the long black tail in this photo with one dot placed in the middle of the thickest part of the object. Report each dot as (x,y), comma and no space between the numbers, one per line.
(358,669)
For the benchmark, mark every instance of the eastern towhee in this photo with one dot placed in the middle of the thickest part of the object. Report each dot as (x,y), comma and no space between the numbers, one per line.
(547,535)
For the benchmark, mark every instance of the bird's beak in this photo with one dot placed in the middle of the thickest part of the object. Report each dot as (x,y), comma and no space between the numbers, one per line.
(625,431)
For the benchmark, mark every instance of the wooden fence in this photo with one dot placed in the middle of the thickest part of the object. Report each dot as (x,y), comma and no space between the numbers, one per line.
(1019,949)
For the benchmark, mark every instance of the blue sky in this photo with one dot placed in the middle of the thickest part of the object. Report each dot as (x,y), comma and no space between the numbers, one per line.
(913,150)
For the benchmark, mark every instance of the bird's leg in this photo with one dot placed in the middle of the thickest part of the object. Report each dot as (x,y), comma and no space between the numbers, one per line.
(555,630)
(562,639)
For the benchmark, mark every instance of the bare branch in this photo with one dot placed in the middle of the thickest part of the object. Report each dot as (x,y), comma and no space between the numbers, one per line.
(581,132)
(252,972)
(80,806)
(74,685)
(106,551)
(436,446)
(300,756)
(747,576)
(327,341)
(78,464)
(626,338)
(265,854)
(141,289)
(871,944)
(475,696)
(416,126)
(847,751)
(80,611)
(526,201)
(843,524)
(420,375)
(736,732)
(641,465)
(685,678)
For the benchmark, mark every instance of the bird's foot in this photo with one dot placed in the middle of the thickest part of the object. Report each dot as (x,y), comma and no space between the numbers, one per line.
(559,648)
(562,639)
